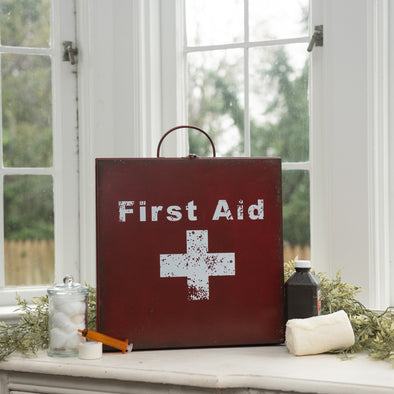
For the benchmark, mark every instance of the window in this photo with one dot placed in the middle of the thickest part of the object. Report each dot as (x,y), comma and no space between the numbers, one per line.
(247,85)
(39,154)
(349,206)
(134,93)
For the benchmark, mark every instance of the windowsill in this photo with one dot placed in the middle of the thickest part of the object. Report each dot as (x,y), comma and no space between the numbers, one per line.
(9,314)
(262,367)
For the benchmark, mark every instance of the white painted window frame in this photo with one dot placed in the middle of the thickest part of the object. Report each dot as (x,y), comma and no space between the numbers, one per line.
(65,159)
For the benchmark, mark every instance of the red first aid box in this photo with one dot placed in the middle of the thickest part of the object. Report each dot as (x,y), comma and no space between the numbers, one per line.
(189,251)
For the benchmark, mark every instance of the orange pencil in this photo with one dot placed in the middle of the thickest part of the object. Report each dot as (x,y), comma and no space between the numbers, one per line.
(107,340)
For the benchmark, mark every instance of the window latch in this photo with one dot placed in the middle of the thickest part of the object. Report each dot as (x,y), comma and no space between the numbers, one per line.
(69,53)
(317,38)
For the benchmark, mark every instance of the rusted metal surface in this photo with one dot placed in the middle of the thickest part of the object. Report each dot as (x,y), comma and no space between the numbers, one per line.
(189,251)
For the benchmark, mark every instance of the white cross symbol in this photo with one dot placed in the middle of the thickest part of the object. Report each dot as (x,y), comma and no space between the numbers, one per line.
(197,265)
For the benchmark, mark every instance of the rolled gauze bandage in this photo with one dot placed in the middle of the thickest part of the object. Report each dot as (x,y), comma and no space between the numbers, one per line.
(319,334)
(90,350)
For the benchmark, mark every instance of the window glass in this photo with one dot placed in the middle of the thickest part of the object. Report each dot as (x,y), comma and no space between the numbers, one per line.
(25,23)
(215,100)
(273,19)
(27,143)
(214,22)
(28,229)
(296,214)
(27,110)
(279,102)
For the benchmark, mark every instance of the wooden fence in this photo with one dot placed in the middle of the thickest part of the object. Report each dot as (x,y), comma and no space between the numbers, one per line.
(291,252)
(29,263)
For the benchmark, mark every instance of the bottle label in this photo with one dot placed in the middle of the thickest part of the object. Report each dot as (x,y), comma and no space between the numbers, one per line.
(318,302)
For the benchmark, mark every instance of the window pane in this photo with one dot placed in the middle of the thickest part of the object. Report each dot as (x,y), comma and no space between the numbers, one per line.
(214,22)
(28,229)
(215,101)
(25,23)
(296,214)
(273,19)
(27,110)
(279,102)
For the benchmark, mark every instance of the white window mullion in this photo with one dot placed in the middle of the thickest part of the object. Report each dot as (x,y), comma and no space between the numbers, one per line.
(26,51)
(173,76)
(301,165)
(247,149)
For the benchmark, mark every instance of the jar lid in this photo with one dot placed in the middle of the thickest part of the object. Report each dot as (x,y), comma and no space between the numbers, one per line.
(302,264)
(68,287)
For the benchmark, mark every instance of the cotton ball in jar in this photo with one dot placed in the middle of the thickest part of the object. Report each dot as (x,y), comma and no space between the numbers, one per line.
(78,320)
(59,302)
(73,340)
(62,321)
(58,338)
(74,308)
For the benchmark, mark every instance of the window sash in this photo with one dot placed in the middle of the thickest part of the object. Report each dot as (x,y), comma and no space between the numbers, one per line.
(65,158)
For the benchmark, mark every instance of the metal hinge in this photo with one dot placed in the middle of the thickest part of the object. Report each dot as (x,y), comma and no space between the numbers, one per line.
(317,38)
(69,53)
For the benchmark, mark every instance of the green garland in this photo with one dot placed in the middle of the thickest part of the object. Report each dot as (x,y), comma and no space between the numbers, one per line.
(31,332)
(374,332)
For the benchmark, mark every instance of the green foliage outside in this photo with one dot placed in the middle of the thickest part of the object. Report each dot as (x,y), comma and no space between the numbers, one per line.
(26,119)
(28,207)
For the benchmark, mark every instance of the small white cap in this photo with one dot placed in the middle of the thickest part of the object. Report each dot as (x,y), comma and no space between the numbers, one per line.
(302,264)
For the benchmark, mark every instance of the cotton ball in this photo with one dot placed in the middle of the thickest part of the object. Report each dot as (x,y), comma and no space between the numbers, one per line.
(59,302)
(59,319)
(73,340)
(74,308)
(57,338)
(62,321)
(78,320)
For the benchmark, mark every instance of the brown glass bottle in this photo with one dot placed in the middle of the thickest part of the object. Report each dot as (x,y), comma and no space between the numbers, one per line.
(302,293)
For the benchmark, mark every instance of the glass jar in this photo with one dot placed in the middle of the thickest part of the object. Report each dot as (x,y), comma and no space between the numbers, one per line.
(67,314)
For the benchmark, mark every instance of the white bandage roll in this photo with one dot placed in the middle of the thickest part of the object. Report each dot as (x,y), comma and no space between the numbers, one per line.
(319,334)
(90,350)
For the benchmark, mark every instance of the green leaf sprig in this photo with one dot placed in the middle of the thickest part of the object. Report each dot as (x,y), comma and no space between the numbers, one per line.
(31,332)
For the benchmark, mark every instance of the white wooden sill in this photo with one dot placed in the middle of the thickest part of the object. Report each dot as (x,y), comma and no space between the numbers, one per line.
(236,370)
(8,314)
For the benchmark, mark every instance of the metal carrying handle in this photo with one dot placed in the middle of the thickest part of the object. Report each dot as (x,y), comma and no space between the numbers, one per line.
(186,127)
